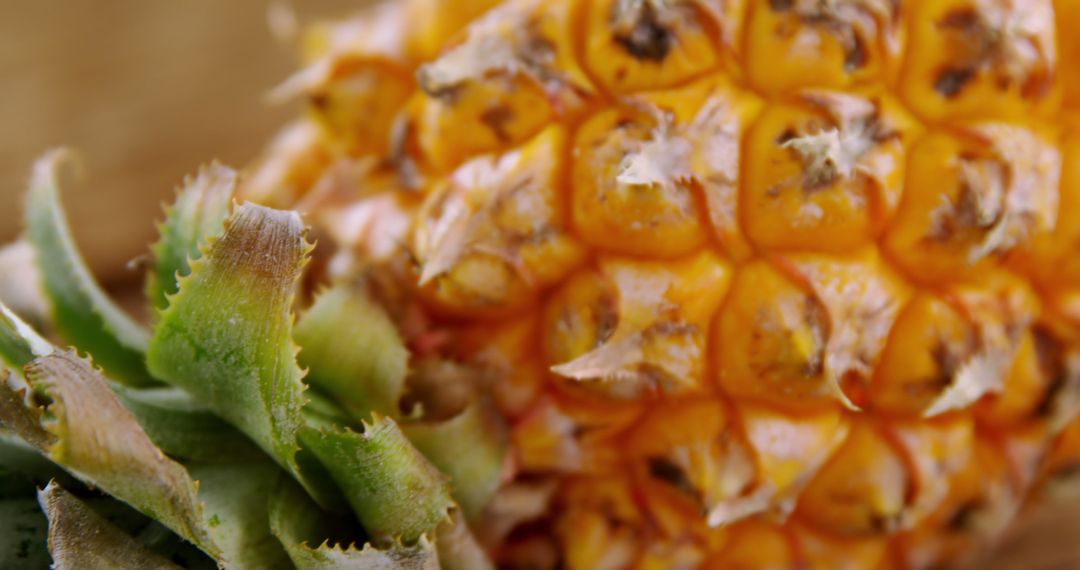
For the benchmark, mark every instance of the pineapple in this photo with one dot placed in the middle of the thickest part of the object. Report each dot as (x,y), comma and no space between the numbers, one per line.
(599,284)
(757,284)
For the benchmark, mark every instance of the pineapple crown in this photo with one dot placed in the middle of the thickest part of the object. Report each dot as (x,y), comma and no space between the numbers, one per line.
(167,420)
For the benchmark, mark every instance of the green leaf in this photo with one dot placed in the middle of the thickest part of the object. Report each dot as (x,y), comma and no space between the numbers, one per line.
(298,523)
(469,447)
(185,428)
(226,336)
(80,538)
(353,352)
(82,426)
(179,425)
(75,419)
(19,342)
(236,512)
(199,212)
(394,491)
(81,311)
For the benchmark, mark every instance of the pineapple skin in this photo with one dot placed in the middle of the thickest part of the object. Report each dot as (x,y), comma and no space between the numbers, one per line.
(757,283)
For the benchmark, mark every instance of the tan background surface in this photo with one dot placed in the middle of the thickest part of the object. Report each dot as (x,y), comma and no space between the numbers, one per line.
(148,90)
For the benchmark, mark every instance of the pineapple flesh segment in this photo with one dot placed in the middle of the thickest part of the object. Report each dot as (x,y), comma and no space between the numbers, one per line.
(509,73)
(980,59)
(825,172)
(973,197)
(806,43)
(494,232)
(638,45)
(758,283)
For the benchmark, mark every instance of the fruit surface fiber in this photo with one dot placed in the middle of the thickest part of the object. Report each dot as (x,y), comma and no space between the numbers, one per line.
(757,284)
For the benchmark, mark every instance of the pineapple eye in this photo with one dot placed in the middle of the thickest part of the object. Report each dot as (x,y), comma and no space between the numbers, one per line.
(602,525)
(358,102)
(508,76)
(863,490)
(633,187)
(358,78)
(806,330)
(972,199)
(649,176)
(689,455)
(632,330)
(1035,385)
(637,45)
(812,43)
(971,59)
(772,339)
(949,352)
(581,316)
(493,232)
(573,435)
(929,344)
(824,172)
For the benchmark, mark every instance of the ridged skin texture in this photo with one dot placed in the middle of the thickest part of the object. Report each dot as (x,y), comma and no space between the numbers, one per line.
(756,283)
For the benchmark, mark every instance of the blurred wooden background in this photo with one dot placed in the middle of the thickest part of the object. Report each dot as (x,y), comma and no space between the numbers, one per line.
(146,91)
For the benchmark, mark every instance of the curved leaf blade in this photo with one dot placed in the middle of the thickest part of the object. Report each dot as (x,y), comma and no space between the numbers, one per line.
(294,520)
(81,310)
(226,337)
(236,512)
(175,422)
(186,429)
(20,344)
(84,428)
(80,538)
(353,352)
(390,486)
(470,448)
(92,443)
(200,210)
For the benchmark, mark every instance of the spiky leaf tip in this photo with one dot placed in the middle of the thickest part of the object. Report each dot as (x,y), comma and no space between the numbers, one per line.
(394,491)
(300,525)
(199,212)
(226,336)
